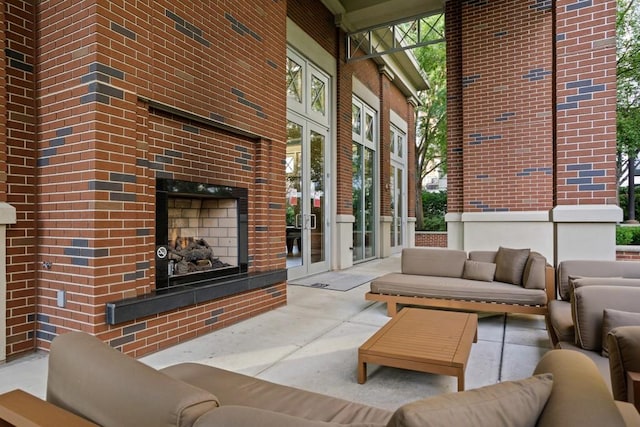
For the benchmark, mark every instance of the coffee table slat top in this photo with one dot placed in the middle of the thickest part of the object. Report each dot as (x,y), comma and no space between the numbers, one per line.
(427,337)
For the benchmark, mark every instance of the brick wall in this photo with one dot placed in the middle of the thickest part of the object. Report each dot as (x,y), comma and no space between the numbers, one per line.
(586,97)
(628,255)
(102,147)
(431,239)
(116,85)
(507,106)
(18,170)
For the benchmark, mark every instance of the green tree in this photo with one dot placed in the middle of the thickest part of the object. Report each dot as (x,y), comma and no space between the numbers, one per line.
(628,95)
(431,117)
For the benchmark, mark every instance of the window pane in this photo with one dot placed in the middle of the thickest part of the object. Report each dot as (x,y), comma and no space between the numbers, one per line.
(294,80)
(356,119)
(400,146)
(318,98)
(392,146)
(369,127)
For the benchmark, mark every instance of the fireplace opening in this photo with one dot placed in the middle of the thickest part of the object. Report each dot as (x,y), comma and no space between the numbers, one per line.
(201,233)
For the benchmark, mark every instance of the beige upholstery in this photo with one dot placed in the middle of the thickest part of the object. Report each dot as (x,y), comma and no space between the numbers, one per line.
(236,389)
(114,390)
(236,416)
(437,277)
(624,355)
(593,268)
(510,264)
(561,321)
(433,262)
(93,380)
(588,307)
(579,397)
(510,403)
(456,288)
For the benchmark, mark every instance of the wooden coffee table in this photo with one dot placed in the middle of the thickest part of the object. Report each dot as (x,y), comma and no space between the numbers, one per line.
(422,340)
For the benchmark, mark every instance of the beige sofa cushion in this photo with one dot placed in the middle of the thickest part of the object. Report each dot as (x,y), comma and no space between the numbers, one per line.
(483,256)
(433,262)
(624,355)
(533,276)
(233,388)
(477,270)
(561,320)
(456,288)
(510,265)
(593,268)
(509,404)
(97,382)
(232,416)
(614,318)
(588,308)
(579,396)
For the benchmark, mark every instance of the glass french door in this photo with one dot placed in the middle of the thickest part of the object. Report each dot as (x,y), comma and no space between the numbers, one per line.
(397,208)
(398,187)
(363,157)
(306,194)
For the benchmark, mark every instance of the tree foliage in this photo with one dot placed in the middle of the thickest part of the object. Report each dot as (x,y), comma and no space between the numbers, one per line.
(628,84)
(431,138)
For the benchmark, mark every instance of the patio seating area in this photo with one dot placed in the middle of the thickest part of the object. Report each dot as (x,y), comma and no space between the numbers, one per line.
(312,343)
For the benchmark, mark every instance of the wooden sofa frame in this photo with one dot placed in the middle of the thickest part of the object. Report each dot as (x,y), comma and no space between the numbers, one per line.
(463,305)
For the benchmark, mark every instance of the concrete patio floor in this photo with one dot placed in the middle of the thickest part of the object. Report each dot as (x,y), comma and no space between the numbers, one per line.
(312,344)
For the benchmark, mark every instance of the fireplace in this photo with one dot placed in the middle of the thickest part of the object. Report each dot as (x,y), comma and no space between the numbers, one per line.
(201,233)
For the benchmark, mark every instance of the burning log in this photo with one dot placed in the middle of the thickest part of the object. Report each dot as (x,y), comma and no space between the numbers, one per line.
(190,255)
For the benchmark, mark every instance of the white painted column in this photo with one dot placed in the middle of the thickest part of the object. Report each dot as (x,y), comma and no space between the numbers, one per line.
(344,241)
(586,231)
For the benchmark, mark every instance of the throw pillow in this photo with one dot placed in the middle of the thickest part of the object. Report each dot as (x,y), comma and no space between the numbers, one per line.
(612,319)
(477,270)
(511,403)
(510,265)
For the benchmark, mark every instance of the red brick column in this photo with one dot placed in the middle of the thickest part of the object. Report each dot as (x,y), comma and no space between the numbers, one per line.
(586,102)
(18,171)
(586,211)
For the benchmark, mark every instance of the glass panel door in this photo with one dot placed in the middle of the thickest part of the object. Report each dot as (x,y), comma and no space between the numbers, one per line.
(307,201)
(363,159)
(397,208)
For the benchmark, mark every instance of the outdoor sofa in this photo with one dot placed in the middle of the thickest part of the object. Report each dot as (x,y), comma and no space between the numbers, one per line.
(595,298)
(505,281)
(100,384)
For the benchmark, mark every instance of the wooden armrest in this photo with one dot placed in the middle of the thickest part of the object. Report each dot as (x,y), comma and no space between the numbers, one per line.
(18,408)
(550,282)
(633,388)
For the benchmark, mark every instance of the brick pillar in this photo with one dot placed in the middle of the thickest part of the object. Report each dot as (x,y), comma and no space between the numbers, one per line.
(18,176)
(585,186)
(501,140)
(386,77)
(453,22)
(343,234)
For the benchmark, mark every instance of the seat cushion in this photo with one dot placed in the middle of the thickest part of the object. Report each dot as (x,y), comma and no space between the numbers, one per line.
(509,404)
(237,389)
(593,268)
(454,288)
(231,416)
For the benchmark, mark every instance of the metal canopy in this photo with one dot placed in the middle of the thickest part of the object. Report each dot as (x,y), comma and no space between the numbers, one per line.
(393,37)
